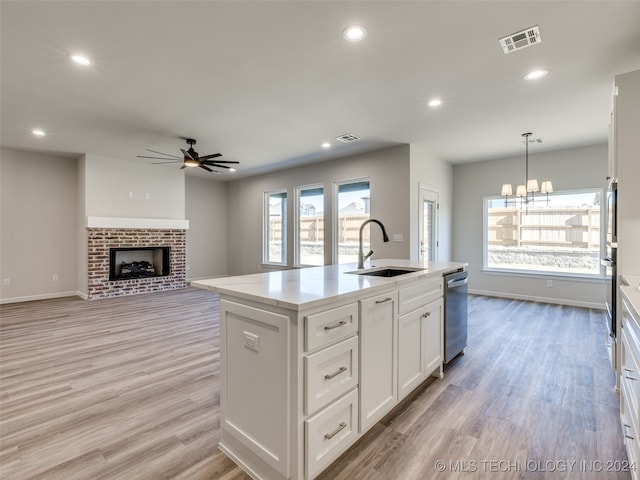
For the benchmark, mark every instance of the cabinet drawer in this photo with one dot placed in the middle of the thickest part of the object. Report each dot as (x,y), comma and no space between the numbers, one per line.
(418,295)
(330,326)
(330,373)
(329,433)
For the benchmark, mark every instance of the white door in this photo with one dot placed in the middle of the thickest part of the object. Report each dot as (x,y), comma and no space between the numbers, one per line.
(428,216)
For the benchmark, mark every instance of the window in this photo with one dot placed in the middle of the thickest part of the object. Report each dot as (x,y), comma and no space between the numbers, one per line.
(561,235)
(310,226)
(353,208)
(275,227)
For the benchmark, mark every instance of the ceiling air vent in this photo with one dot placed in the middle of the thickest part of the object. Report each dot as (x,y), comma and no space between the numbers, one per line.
(347,138)
(520,40)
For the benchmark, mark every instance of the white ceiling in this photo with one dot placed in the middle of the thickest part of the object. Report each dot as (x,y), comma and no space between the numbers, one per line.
(266,82)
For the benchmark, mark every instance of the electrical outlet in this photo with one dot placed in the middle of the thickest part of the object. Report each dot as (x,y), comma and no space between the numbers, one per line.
(398,237)
(6,282)
(251,341)
(147,196)
(130,194)
(188,267)
(55,277)
(549,283)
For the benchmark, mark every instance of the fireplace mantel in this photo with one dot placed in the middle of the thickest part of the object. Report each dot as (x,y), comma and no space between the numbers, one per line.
(140,223)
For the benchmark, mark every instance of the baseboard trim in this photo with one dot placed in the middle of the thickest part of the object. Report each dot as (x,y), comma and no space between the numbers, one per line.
(43,296)
(530,298)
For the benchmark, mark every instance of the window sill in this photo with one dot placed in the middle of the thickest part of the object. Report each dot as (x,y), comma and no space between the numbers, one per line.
(599,278)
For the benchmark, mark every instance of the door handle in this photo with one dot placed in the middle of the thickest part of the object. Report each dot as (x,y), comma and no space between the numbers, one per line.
(457,283)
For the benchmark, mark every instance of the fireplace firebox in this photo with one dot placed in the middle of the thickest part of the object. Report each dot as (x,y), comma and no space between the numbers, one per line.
(138,262)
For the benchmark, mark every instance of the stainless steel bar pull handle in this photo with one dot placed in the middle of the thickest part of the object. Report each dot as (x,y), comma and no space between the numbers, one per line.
(329,436)
(388,299)
(339,324)
(331,375)
(425,315)
(626,435)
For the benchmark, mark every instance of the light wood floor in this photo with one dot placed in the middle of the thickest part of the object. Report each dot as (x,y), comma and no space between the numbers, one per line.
(128,388)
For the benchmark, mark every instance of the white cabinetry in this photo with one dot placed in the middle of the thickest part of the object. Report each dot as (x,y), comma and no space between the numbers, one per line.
(630,375)
(330,373)
(378,336)
(301,383)
(255,384)
(624,148)
(420,340)
(433,338)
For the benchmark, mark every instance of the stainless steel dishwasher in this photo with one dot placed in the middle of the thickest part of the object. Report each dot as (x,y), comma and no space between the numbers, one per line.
(455,313)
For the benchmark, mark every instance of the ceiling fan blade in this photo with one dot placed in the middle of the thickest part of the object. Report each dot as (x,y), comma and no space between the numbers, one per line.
(162,153)
(206,168)
(215,165)
(211,162)
(186,154)
(158,158)
(162,163)
(213,155)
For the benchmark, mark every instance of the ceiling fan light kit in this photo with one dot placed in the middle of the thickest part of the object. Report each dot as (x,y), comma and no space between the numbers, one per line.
(191,158)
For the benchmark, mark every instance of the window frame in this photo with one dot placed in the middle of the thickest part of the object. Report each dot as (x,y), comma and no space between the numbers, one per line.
(296,221)
(335,212)
(542,273)
(265,227)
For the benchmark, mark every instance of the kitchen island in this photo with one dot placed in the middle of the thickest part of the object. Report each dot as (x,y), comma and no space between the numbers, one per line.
(312,358)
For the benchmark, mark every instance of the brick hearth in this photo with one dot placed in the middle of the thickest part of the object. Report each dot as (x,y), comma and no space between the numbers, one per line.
(100,240)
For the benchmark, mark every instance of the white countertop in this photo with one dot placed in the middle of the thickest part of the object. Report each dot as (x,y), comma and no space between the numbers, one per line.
(313,286)
(632,280)
(632,295)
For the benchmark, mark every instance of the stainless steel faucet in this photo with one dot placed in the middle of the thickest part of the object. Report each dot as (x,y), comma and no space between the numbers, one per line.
(361,256)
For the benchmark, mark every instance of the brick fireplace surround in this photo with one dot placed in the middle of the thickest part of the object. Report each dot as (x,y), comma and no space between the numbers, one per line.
(100,240)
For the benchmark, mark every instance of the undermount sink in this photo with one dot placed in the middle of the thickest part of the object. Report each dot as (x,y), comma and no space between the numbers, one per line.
(386,272)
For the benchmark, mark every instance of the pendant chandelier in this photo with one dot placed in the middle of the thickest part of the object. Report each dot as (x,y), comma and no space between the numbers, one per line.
(527,190)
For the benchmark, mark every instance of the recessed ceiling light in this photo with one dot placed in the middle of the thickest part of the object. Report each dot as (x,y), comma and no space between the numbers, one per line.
(325,145)
(38,132)
(435,102)
(354,33)
(81,60)
(536,74)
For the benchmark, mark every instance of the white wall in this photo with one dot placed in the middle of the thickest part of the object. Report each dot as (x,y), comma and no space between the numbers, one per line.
(38,198)
(577,168)
(435,175)
(206,209)
(388,170)
(81,234)
(108,182)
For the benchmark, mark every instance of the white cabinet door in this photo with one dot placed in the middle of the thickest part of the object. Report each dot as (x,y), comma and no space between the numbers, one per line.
(410,364)
(378,339)
(432,337)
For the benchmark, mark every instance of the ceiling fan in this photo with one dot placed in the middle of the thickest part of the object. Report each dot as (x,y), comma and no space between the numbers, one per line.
(192,159)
